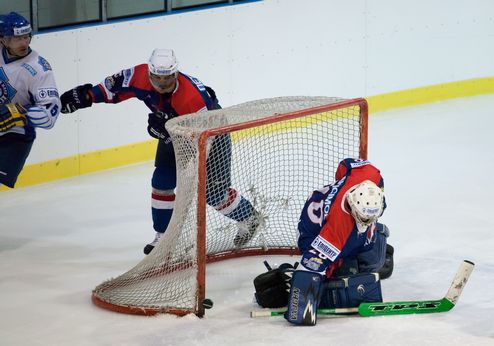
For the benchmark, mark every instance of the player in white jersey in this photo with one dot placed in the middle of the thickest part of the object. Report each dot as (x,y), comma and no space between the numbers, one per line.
(28,96)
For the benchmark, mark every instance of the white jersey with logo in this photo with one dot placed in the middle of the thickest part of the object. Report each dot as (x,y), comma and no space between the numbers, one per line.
(29,82)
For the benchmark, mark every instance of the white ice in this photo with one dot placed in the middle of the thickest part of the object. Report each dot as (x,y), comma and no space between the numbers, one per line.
(59,240)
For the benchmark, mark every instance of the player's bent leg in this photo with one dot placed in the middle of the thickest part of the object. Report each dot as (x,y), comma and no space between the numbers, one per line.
(306,287)
(304,297)
(14,150)
(350,291)
(149,247)
(162,202)
(218,175)
(224,198)
(388,266)
(380,257)
(248,229)
(349,266)
(373,259)
(236,207)
(383,229)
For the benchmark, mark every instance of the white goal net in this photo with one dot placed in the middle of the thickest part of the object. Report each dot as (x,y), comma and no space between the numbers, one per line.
(273,153)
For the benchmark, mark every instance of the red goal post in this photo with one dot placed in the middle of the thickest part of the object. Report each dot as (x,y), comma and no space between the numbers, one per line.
(273,152)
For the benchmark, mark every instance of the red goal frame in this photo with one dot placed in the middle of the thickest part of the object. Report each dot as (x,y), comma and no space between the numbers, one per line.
(202,258)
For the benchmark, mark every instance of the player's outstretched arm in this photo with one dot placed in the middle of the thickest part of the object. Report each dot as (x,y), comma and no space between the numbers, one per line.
(77,98)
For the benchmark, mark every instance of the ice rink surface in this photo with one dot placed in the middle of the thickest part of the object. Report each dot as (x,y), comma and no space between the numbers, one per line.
(59,240)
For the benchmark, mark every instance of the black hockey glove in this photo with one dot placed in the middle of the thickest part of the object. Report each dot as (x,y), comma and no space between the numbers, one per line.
(11,115)
(76,98)
(273,287)
(156,125)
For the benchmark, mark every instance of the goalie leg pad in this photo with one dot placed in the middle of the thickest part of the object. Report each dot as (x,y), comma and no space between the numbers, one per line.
(349,292)
(387,269)
(372,260)
(304,298)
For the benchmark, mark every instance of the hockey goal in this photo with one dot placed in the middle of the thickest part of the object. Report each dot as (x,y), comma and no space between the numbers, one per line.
(279,150)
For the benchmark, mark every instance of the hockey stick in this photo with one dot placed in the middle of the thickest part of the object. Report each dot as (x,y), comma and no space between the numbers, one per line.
(281,312)
(399,307)
(422,306)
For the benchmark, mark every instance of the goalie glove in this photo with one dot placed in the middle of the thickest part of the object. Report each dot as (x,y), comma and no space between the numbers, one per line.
(273,286)
(11,115)
(156,125)
(77,98)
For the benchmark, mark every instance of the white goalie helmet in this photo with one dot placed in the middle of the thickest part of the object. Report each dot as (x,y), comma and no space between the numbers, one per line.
(163,62)
(366,202)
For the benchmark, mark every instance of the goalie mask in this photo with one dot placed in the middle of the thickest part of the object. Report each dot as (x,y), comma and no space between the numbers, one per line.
(366,202)
(163,69)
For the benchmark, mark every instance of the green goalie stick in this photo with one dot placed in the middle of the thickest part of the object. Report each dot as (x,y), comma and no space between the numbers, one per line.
(398,307)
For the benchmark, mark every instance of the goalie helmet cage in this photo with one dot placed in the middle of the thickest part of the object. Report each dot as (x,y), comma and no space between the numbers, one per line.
(273,152)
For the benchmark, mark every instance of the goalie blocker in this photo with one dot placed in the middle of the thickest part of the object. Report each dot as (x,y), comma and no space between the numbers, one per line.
(314,291)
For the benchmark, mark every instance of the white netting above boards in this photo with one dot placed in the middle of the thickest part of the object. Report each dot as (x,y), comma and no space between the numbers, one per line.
(244,168)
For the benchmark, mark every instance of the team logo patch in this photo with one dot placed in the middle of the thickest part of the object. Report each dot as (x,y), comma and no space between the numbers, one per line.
(359,163)
(326,248)
(30,69)
(313,263)
(23,30)
(45,65)
(7,91)
(127,77)
(371,211)
(198,83)
(44,93)
(109,82)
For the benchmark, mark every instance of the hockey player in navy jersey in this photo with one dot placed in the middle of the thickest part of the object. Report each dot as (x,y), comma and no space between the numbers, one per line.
(28,96)
(344,249)
(168,93)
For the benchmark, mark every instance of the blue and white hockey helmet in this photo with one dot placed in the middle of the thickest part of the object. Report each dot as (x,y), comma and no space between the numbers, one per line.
(13,24)
(366,202)
(163,62)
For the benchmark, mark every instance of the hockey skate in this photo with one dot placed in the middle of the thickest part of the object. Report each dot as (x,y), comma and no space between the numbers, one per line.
(149,247)
(247,229)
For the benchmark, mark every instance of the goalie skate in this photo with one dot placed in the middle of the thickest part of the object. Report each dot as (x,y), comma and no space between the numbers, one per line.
(248,229)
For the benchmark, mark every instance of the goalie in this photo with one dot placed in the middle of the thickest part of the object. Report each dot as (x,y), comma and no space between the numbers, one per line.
(343,248)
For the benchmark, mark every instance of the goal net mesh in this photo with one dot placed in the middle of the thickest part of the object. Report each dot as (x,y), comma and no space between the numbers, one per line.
(271,153)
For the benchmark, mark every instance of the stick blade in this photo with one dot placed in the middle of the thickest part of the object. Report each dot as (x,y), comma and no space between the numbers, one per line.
(404,307)
(422,306)
(459,281)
